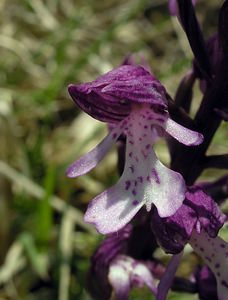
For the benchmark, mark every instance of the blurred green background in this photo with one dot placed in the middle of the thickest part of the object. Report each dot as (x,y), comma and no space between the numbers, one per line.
(45,45)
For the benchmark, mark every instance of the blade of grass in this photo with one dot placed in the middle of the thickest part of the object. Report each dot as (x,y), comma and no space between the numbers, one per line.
(44,213)
(38,192)
(65,247)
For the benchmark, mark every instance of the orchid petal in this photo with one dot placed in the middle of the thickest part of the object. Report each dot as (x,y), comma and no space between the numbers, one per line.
(167,279)
(215,253)
(182,134)
(89,161)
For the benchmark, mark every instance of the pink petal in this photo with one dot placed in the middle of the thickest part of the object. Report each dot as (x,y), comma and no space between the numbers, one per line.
(182,134)
(215,253)
(89,161)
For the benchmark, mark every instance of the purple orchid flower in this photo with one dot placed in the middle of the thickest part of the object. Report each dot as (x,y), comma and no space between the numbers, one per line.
(135,103)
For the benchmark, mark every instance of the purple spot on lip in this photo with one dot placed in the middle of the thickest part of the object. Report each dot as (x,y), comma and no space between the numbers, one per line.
(224,283)
(147,146)
(222,246)
(208,258)
(127,184)
(217,266)
(134,192)
(130,154)
(135,202)
(155,175)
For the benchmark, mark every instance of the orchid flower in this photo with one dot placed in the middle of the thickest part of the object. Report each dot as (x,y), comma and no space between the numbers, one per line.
(135,103)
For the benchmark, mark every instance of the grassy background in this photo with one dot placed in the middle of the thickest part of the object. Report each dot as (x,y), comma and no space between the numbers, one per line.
(44,46)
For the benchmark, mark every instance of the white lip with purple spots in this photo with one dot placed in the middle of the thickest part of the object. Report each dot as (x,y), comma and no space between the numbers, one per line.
(145,180)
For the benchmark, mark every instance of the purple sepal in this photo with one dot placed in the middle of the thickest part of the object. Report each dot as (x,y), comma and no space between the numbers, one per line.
(198,211)
(109,97)
(101,107)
